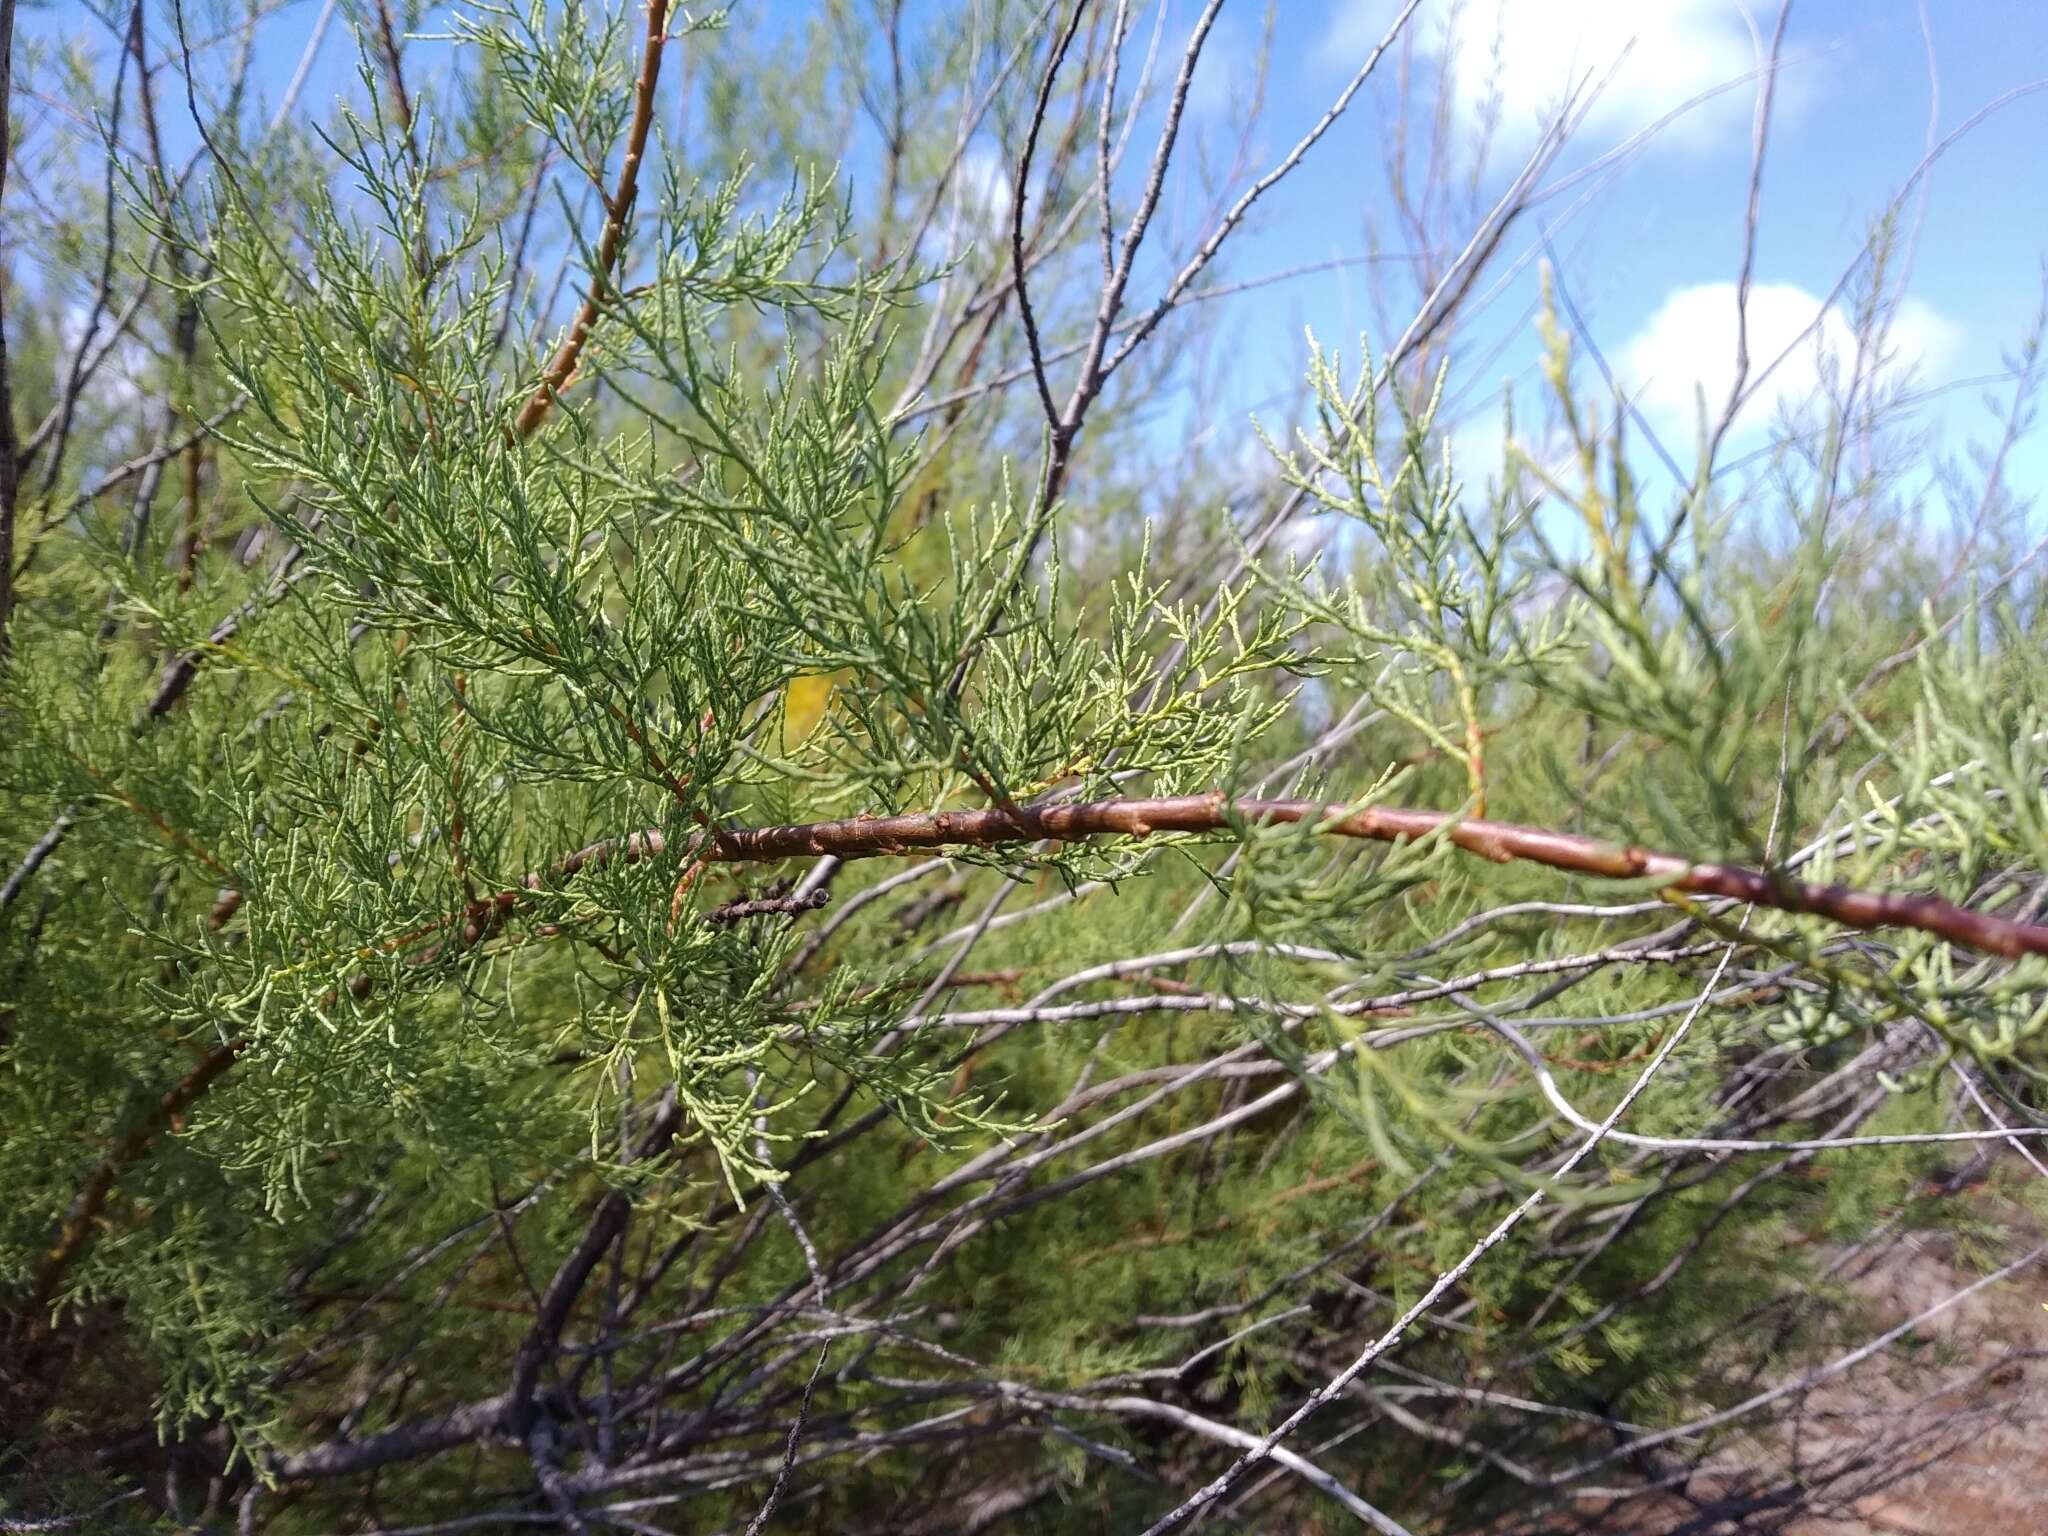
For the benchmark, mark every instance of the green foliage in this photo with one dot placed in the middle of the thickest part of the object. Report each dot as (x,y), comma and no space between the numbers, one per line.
(358,777)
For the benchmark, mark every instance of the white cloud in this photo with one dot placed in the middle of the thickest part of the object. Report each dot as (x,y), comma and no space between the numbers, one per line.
(1688,346)
(1525,56)
(984,191)
(1479,446)
(978,208)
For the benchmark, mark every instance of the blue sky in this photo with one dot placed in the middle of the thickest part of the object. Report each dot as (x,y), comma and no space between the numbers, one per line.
(1862,90)
(1651,257)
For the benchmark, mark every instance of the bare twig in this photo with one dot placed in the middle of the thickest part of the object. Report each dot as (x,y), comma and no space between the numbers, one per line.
(1060,46)
(1215,1489)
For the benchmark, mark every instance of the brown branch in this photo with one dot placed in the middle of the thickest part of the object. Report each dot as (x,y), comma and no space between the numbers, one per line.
(1503,842)
(886,836)
(168,1115)
(92,1196)
(394,71)
(617,212)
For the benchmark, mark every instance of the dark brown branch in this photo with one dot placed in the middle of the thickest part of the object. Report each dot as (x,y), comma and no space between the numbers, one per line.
(768,906)
(92,1196)
(618,212)
(10,451)
(1017,195)
(567,1285)
(168,1115)
(394,70)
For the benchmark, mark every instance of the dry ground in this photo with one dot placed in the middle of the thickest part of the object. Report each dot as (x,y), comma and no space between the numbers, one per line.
(1944,1435)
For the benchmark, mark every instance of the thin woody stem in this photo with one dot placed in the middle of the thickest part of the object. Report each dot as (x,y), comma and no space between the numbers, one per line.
(887,836)
(83,1217)
(1503,842)
(618,213)
(168,1115)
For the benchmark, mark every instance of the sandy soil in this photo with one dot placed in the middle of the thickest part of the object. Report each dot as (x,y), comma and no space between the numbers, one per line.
(1945,1435)
(1954,1430)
